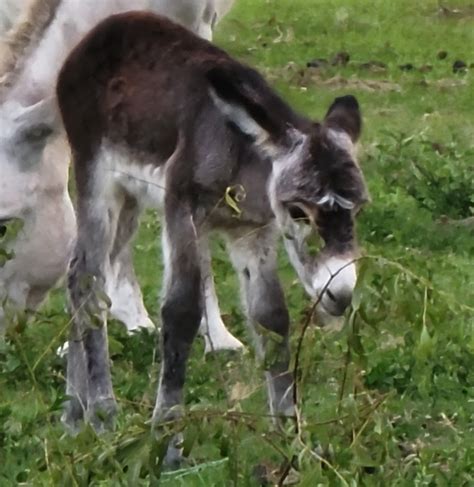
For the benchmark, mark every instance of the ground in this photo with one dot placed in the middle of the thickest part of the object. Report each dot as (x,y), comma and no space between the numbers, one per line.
(388,399)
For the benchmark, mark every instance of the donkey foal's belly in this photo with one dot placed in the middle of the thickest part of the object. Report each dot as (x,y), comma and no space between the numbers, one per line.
(144,181)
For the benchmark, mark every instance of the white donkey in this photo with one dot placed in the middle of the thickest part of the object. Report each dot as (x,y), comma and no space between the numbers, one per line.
(34,158)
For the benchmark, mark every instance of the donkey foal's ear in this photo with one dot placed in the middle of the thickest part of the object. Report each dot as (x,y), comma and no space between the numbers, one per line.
(246,101)
(231,97)
(344,114)
(238,115)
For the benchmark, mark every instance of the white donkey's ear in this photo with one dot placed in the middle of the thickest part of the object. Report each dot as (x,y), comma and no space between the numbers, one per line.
(248,103)
(44,112)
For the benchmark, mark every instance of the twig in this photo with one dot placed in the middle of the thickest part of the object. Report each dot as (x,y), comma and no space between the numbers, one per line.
(286,471)
(366,422)
(425,282)
(463,222)
(321,459)
(306,324)
(344,376)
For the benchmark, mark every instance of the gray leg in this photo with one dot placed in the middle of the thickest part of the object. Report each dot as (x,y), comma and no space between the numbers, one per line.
(89,378)
(181,312)
(254,257)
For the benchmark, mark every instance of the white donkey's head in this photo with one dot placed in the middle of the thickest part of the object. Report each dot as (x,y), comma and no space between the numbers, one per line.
(24,133)
(316,185)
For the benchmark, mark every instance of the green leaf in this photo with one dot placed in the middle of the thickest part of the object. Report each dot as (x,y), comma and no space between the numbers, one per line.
(190,436)
(362,456)
(425,344)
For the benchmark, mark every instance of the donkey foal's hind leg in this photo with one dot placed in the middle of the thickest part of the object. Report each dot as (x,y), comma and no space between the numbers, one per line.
(90,365)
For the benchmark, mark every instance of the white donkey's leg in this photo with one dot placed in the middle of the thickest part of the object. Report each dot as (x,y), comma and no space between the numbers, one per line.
(121,282)
(216,335)
(125,294)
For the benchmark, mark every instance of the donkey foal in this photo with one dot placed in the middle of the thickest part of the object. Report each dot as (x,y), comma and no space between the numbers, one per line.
(142,96)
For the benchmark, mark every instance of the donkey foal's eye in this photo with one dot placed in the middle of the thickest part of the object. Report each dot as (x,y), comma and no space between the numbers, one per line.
(298,214)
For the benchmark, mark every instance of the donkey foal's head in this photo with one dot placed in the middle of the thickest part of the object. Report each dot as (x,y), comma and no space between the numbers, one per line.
(316,185)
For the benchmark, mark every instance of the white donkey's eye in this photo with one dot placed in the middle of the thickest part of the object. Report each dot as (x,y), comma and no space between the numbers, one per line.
(37,133)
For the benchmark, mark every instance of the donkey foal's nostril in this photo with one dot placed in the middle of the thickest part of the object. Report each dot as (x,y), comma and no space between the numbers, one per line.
(344,300)
(338,304)
(331,295)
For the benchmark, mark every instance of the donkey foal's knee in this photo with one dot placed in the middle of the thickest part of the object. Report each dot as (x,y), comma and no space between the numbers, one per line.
(181,316)
(272,318)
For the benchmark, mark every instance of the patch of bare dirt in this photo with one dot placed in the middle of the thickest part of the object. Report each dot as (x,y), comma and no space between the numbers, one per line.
(445,84)
(314,75)
(338,81)
(464,12)
(374,66)
(310,77)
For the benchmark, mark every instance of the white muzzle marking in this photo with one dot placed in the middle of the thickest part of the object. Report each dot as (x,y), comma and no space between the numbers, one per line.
(336,275)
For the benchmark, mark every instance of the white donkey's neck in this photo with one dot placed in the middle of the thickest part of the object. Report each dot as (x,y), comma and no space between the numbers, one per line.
(73,19)
(37,80)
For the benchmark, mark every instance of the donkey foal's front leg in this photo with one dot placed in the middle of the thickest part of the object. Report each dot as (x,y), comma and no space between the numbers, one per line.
(254,257)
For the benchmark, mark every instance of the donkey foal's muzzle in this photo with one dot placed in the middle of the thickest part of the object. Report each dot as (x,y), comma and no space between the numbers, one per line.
(334,283)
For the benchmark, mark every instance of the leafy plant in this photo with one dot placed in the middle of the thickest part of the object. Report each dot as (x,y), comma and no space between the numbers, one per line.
(438,176)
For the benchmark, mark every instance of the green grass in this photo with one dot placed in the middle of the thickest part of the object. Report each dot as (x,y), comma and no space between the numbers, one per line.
(390,396)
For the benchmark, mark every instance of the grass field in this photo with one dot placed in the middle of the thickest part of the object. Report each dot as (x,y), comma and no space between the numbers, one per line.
(388,399)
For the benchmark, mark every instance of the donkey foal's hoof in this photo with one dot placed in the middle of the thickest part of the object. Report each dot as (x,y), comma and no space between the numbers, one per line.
(166,431)
(101,414)
(174,454)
